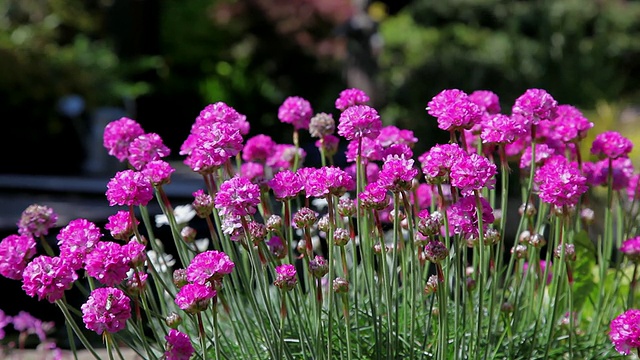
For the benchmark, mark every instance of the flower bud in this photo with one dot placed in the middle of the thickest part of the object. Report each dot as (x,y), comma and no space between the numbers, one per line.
(188,234)
(524,237)
(471,283)
(436,251)
(346,207)
(527,209)
(340,285)
(341,236)
(318,267)
(274,223)
(323,223)
(305,217)
(537,241)
(173,320)
(180,278)
(520,251)
(432,285)
(569,252)
(587,215)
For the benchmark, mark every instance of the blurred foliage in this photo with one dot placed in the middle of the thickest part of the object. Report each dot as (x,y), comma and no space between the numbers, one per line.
(581,51)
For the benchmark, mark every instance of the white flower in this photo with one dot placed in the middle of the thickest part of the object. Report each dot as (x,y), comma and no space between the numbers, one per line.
(200,245)
(161,263)
(182,213)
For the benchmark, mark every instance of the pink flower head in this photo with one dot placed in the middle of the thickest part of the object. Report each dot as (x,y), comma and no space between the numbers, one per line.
(24,322)
(119,134)
(371,149)
(472,172)
(390,135)
(371,170)
(238,197)
(76,240)
(210,146)
(295,111)
(130,188)
(48,277)
(158,172)
(631,248)
(560,182)
(107,263)
(400,149)
(611,144)
(543,152)
(597,174)
(194,298)
(374,196)
(463,216)
(286,185)
(286,277)
(146,148)
(501,129)
(633,189)
(253,171)
(328,180)
(397,173)
(107,309)
(36,220)
(570,124)
(284,157)
(178,346)
(134,253)
(624,331)
(329,143)
(436,163)
(208,267)
(15,252)
(535,105)
(220,112)
(258,148)
(487,100)
(351,97)
(202,203)
(4,321)
(359,121)
(454,110)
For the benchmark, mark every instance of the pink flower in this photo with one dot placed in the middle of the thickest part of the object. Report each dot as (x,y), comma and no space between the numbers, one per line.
(106,309)
(210,145)
(501,129)
(472,172)
(374,196)
(611,144)
(130,188)
(286,185)
(208,267)
(253,171)
(631,248)
(286,277)
(371,149)
(194,298)
(397,173)
(36,220)
(258,148)
(487,100)
(351,97)
(220,112)
(400,150)
(436,163)
(560,182)
(633,189)
(390,135)
(284,156)
(202,203)
(48,277)
(535,105)
(454,110)
(107,263)
(570,124)
(359,121)
(328,180)
(134,253)
(178,346)
(76,240)
(15,252)
(463,216)
(295,111)
(238,197)
(158,172)
(597,174)
(4,321)
(121,226)
(543,152)
(119,134)
(146,148)
(26,323)
(625,331)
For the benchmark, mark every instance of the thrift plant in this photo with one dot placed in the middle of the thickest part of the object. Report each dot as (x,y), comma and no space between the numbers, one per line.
(396,255)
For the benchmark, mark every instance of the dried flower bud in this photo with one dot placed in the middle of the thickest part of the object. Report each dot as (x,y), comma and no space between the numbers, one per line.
(180,278)
(340,285)
(520,251)
(537,241)
(318,266)
(173,320)
(322,124)
(188,234)
(432,285)
(341,236)
(527,209)
(346,207)
(569,252)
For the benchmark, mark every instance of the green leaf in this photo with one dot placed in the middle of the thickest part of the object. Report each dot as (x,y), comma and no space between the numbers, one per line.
(585,262)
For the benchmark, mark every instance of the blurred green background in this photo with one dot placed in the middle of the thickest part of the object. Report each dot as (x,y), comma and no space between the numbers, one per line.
(66,63)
